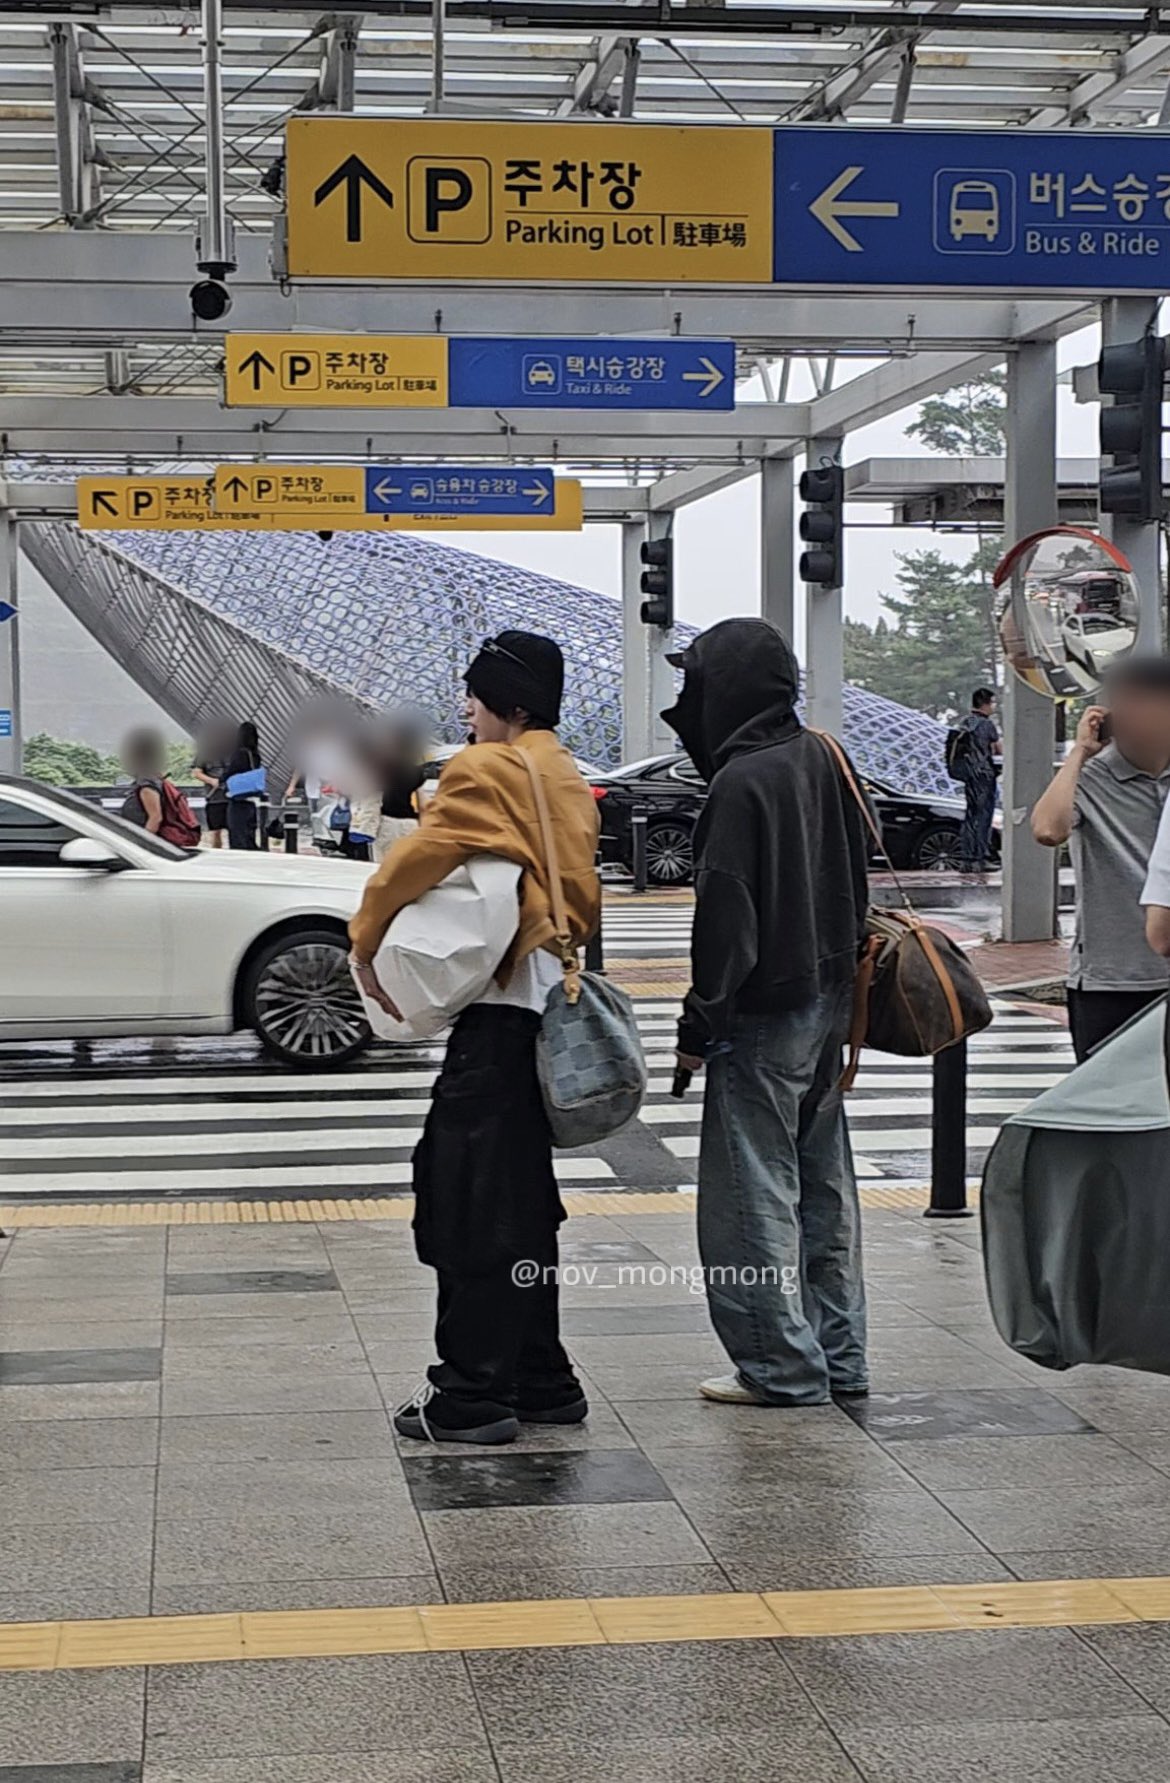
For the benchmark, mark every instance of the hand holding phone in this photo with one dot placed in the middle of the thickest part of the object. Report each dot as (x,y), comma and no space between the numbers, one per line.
(1093,730)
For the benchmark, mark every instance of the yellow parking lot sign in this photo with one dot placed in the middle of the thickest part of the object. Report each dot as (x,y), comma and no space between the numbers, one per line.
(151,504)
(336,371)
(318,490)
(389,198)
(185,504)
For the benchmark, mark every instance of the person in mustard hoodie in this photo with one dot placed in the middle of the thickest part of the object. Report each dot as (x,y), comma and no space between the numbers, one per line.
(486,1198)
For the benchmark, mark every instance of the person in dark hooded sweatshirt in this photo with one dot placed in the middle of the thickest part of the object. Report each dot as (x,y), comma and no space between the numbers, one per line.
(781,900)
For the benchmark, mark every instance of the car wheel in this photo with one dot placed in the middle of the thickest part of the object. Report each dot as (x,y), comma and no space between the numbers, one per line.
(937,850)
(670,858)
(302,1002)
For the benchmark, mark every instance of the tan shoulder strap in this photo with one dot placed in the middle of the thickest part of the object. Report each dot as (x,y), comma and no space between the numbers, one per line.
(560,915)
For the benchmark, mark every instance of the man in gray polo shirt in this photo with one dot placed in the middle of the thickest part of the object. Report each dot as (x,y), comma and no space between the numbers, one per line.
(1108,798)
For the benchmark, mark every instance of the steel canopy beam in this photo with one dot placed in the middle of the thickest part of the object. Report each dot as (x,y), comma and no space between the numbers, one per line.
(108,288)
(887,49)
(58,501)
(596,77)
(667,18)
(1138,63)
(196,427)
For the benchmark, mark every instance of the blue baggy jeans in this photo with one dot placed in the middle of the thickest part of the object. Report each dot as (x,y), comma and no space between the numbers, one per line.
(779,1222)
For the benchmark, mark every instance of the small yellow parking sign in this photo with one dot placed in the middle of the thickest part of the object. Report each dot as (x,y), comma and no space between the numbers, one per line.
(390,198)
(332,371)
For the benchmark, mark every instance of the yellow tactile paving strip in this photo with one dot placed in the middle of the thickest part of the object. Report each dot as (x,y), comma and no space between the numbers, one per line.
(18,1215)
(577,1622)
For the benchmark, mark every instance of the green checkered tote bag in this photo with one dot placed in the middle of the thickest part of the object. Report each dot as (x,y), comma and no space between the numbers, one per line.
(589,1057)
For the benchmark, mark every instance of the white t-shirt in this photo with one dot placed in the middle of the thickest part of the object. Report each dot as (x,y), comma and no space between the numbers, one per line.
(529,985)
(1157,887)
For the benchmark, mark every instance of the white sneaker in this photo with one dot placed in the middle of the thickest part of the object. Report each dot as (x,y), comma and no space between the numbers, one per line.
(728,1389)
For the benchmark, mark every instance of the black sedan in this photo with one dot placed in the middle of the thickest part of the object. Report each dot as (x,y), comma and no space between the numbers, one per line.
(921,833)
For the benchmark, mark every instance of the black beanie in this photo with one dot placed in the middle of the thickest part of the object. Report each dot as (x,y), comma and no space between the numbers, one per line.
(519,668)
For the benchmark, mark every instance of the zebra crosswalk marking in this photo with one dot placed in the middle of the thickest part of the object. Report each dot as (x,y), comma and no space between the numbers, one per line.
(151,1120)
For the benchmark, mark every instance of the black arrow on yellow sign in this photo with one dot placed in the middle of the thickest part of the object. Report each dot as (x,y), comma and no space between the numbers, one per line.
(103,502)
(236,486)
(256,364)
(353,174)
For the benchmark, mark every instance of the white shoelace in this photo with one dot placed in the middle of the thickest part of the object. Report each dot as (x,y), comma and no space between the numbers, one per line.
(417,1403)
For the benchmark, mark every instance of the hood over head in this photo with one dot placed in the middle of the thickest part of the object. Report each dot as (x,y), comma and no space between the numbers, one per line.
(741,681)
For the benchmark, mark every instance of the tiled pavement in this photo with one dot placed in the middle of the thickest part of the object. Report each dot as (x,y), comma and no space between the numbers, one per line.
(193,1424)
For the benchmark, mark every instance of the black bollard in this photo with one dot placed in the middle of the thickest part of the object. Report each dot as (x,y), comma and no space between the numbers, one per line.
(262,819)
(638,823)
(292,832)
(948,1136)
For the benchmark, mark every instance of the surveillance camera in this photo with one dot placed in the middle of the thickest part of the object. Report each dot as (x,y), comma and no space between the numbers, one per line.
(325,537)
(272,179)
(210,299)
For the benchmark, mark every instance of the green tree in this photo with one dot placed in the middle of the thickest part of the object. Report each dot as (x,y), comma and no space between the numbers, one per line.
(966,421)
(936,649)
(180,759)
(61,762)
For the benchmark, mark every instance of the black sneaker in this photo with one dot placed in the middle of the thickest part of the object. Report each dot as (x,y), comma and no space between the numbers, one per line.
(428,1417)
(849,1392)
(570,1411)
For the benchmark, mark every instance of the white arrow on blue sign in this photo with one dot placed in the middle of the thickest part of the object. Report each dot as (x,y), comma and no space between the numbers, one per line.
(458,489)
(557,373)
(1077,210)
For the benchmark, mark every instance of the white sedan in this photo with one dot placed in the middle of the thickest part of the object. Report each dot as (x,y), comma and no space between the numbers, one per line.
(106,930)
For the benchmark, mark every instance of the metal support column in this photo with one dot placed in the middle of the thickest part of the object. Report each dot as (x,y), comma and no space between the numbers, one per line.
(660,678)
(1029,726)
(777,535)
(824,608)
(76,169)
(1126,319)
(635,649)
(10,738)
(215,252)
(438,54)
(346,48)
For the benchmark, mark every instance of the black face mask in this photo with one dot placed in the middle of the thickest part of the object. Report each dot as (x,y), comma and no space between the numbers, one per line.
(685,719)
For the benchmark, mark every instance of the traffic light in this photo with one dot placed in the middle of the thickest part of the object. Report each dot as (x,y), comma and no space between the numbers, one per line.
(822,525)
(1131,429)
(658,582)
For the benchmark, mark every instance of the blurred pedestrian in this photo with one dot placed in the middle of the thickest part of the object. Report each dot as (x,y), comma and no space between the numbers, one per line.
(487,1205)
(215,748)
(393,754)
(154,802)
(1106,802)
(245,768)
(780,909)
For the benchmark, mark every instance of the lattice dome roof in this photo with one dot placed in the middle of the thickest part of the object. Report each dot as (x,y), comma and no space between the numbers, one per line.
(389,618)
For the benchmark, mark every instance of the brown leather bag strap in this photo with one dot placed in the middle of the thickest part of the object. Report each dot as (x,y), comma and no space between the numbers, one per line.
(868,962)
(562,933)
(846,772)
(862,985)
(945,981)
